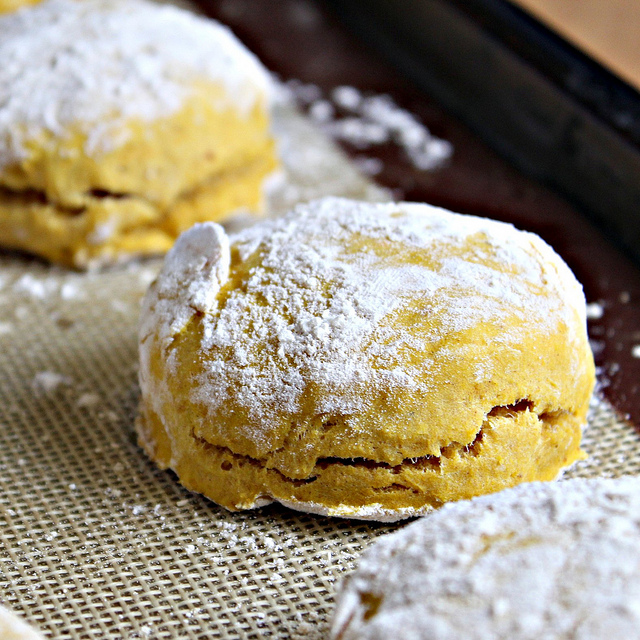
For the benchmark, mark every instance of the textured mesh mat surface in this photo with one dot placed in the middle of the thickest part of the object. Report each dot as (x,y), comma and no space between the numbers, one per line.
(95,541)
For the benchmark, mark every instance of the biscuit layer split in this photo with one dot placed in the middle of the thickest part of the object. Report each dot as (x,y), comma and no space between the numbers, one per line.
(363,360)
(122,123)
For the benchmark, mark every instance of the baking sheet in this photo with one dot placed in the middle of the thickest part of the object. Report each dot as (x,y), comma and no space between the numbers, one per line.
(95,542)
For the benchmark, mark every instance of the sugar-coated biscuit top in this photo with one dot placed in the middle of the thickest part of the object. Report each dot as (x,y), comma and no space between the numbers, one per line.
(99,63)
(557,560)
(363,360)
(326,288)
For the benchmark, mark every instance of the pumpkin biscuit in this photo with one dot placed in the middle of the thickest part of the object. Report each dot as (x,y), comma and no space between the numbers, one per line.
(122,123)
(363,360)
(536,561)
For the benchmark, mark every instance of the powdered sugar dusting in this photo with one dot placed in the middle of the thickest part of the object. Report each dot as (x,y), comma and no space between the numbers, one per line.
(366,120)
(317,310)
(595,311)
(541,560)
(193,272)
(98,64)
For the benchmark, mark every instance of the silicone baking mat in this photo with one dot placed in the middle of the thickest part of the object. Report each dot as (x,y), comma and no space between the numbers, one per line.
(95,542)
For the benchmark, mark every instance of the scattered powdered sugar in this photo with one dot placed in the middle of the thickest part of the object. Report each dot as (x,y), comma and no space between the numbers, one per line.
(145,275)
(88,399)
(369,166)
(309,631)
(98,64)
(595,311)
(40,288)
(121,307)
(316,310)
(48,382)
(70,291)
(369,120)
(554,560)
(312,165)
(635,351)
(103,232)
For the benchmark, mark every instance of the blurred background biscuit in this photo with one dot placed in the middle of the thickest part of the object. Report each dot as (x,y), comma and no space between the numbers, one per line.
(122,124)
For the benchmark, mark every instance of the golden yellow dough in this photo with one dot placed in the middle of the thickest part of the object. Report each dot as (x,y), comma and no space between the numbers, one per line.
(11,5)
(363,360)
(92,174)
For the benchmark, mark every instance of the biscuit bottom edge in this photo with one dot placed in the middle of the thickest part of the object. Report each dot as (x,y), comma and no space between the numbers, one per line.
(512,447)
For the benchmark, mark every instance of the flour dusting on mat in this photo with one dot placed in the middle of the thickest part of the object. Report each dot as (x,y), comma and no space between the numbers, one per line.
(113,60)
(39,288)
(47,382)
(368,120)
(595,311)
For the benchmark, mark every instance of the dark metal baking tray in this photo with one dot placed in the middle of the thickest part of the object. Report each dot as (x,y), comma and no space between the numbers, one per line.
(549,109)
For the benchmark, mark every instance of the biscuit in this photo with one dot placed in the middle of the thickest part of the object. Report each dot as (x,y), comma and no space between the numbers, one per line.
(363,360)
(11,5)
(556,560)
(12,627)
(122,123)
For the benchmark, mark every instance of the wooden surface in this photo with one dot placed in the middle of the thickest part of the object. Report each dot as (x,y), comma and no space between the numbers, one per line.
(607,30)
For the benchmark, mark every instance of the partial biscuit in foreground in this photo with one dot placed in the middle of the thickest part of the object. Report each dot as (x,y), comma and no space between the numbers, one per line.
(122,123)
(557,561)
(363,360)
(13,627)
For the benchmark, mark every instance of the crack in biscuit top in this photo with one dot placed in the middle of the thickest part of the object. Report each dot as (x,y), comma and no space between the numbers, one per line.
(96,65)
(327,290)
